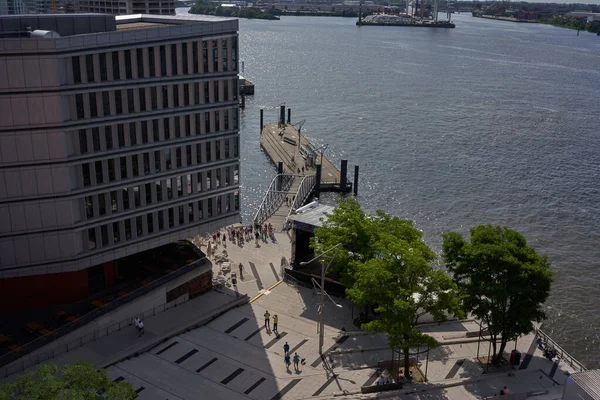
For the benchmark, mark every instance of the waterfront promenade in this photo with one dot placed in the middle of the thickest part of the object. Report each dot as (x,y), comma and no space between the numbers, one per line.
(235,357)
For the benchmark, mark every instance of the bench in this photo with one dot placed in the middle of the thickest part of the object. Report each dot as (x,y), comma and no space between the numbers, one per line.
(380,388)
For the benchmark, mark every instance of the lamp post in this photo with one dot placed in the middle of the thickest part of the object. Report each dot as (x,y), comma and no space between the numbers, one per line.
(322,149)
(324,269)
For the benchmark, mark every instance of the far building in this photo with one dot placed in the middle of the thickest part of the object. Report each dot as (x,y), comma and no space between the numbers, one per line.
(154,7)
(118,135)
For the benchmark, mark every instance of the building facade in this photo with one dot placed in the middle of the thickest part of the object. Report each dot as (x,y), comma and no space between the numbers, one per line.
(119,136)
(123,7)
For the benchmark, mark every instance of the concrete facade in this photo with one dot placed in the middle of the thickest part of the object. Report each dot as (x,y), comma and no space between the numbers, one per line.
(156,7)
(117,141)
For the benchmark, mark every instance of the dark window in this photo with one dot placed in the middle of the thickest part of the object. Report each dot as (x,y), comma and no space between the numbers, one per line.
(103,71)
(176,95)
(108,134)
(123,164)
(209,210)
(136,196)
(125,193)
(144,132)
(178,157)
(157,160)
(226,147)
(99,176)
(227,172)
(177,127)
(181,215)
(195,56)
(89,207)
(197,121)
(154,98)
(217,121)
(226,89)
(130,101)
(163,61)
(138,226)
(116,232)
(215,52)
(190,208)
(196,93)
(199,182)
(205,56)
(171,218)
(186,95)
(83,141)
(76,69)
(155,130)
(234,88)
(104,234)
(208,156)
(207,122)
(143,100)
(111,170)
(224,53)
(127,229)
(96,139)
(234,53)
(216,91)
(206,94)
(235,118)
(118,102)
(200,210)
(218,150)
(188,127)
(184,57)
(167,127)
(188,155)
(113,201)
(236,147)
(174,59)
(79,106)
(146,163)
(165,94)
(226,120)
(161,220)
(169,189)
(121,135)
(140,62)
(227,200)
(148,190)
(89,65)
(198,154)
(105,104)
(159,193)
(151,61)
(92,238)
(128,71)
(93,105)
(101,204)
(134,165)
(85,170)
(132,134)
(115,65)
(150,222)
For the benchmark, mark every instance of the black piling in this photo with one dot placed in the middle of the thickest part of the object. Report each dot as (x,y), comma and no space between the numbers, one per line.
(355,187)
(243,101)
(279,171)
(282,115)
(289,116)
(318,181)
(261,120)
(344,176)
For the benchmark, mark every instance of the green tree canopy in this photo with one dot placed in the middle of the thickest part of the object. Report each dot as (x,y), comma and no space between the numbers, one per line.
(79,381)
(388,267)
(504,281)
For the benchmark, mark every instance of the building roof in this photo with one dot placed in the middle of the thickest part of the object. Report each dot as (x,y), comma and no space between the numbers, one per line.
(180,19)
(313,216)
(589,382)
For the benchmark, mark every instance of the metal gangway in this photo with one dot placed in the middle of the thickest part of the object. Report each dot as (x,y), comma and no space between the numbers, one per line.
(274,208)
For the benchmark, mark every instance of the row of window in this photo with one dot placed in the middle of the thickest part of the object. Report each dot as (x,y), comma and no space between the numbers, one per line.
(157,130)
(124,199)
(129,101)
(158,221)
(156,61)
(132,166)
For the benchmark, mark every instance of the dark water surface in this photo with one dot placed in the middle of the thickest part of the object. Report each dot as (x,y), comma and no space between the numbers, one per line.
(491,122)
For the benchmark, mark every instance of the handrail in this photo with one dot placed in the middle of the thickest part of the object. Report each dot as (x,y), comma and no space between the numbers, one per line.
(310,184)
(562,353)
(274,197)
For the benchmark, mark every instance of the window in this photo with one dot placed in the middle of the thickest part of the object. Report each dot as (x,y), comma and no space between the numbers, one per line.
(208,155)
(132,134)
(118,102)
(207,122)
(174,59)
(146,163)
(130,101)
(161,220)
(125,194)
(127,229)
(101,204)
(197,122)
(151,61)
(190,208)
(103,69)
(148,190)
(181,215)
(177,127)
(159,194)
(89,207)
(111,170)
(198,154)
(179,187)
(140,62)
(234,89)
(209,210)
(215,52)
(99,172)
(144,132)
(96,139)
(155,130)
(169,189)
(188,155)
(216,91)
(83,141)
(218,149)
(176,95)
(109,138)
(205,56)
(227,172)
(142,93)
(137,196)
(236,174)
(104,234)
(200,208)
(226,147)
(123,164)
(188,126)
(235,118)
(206,94)
(89,65)
(163,62)
(150,222)
(226,89)
(92,238)
(224,53)
(186,95)
(196,93)
(79,106)
(121,135)
(128,71)
(178,157)
(165,96)
(76,69)
(227,200)
(218,180)
(226,120)
(184,57)
(116,232)
(105,104)
(195,57)
(171,218)
(236,200)
(157,160)
(134,165)
(138,226)
(85,170)
(115,65)
(167,126)
(217,121)
(153,97)
(234,53)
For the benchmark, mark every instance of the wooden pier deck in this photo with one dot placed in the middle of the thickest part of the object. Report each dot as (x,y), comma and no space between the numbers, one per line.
(275,140)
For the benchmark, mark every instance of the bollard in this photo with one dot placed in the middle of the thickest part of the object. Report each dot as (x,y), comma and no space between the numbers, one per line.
(344,176)
(261,120)
(289,116)
(282,114)
(318,181)
(243,101)
(356,180)
(279,171)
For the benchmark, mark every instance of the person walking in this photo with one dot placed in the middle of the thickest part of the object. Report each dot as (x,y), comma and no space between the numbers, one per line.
(296,361)
(275,321)
(141,328)
(286,348)
(286,359)
(137,324)
(267,320)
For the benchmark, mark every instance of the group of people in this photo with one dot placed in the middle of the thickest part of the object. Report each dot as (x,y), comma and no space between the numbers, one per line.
(548,350)
(296,359)
(139,325)
(268,321)
(244,233)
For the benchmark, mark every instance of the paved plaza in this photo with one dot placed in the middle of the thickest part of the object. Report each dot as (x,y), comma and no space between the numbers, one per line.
(235,357)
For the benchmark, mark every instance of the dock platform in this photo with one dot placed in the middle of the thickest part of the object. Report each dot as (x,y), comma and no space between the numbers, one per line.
(283,143)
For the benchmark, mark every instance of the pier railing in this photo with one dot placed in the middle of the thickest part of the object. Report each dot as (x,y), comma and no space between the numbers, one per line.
(306,187)
(274,198)
(561,353)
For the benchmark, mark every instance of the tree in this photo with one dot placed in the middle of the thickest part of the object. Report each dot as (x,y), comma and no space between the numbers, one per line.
(504,281)
(76,381)
(388,267)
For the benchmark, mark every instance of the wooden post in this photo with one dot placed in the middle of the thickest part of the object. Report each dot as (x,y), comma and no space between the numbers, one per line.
(261,120)
(355,180)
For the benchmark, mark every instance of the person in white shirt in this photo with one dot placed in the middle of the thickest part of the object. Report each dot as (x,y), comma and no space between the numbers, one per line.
(141,328)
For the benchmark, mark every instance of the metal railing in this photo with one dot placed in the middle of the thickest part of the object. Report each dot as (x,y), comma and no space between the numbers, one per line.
(29,361)
(274,197)
(560,352)
(306,187)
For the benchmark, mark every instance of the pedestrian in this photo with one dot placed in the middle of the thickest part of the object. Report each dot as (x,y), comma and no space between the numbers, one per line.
(275,321)
(267,320)
(256,237)
(302,170)
(286,348)
(296,361)
(219,237)
(141,328)
(286,359)
(137,324)
(241,267)
(215,238)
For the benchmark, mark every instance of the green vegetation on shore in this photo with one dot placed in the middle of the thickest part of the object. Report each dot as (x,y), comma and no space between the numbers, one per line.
(206,8)
(572,23)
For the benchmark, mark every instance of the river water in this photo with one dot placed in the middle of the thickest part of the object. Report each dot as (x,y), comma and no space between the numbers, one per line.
(491,122)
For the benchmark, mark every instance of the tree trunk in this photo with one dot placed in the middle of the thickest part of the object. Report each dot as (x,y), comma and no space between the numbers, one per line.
(498,356)
(493,340)
(407,363)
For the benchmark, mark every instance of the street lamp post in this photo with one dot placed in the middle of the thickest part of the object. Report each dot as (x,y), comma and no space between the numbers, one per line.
(324,269)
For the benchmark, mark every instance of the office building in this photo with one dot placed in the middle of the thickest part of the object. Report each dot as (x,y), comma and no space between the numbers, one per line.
(123,7)
(117,135)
